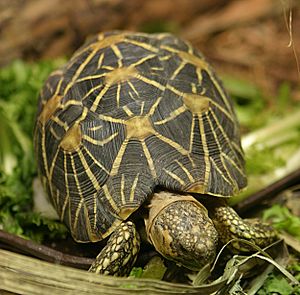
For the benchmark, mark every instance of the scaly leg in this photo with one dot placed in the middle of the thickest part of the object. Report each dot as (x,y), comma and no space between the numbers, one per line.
(230,225)
(120,253)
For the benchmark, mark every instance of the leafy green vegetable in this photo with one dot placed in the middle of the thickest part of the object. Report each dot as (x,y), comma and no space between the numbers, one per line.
(249,102)
(271,128)
(278,284)
(272,145)
(136,272)
(283,219)
(20,84)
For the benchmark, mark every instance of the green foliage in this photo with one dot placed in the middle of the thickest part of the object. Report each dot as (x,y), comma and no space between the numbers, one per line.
(259,161)
(276,283)
(249,102)
(136,272)
(20,84)
(283,219)
(270,133)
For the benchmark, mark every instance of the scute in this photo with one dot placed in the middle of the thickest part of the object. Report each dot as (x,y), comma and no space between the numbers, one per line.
(130,112)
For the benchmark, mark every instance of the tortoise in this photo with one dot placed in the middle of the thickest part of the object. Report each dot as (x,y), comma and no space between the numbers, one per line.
(134,121)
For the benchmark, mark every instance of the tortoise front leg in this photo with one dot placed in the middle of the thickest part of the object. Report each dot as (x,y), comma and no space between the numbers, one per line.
(230,226)
(120,253)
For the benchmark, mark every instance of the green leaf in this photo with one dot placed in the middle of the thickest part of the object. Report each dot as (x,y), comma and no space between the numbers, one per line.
(278,285)
(20,85)
(283,219)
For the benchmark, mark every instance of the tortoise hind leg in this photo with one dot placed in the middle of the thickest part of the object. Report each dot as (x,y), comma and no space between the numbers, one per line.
(230,226)
(120,253)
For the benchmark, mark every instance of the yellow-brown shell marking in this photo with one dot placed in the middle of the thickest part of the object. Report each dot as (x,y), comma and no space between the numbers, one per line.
(72,139)
(139,127)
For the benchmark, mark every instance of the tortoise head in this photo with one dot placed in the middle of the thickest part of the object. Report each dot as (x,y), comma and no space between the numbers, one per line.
(180,229)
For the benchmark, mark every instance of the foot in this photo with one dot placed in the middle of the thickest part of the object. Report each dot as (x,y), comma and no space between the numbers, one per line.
(120,253)
(230,226)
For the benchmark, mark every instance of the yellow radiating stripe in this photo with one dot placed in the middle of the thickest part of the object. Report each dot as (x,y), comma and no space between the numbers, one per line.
(53,132)
(192,134)
(88,171)
(220,172)
(91,91)
(118,54)
(79,206)
(110,198)
(79,70)
(53,164)
(100,142)
(59,122)
(100,60)
(49,85)
(164,58)
(95,210)
(99,97)
(170,49)
(186,171)
(118,159)
(118,96)
(95,160)
(154,106)
(149,159)
(157,68)
(72,102)
(142,108)
(222,110)
(122,190)
(110,68)
(57,198)
(131,95)
(172,143)
(190,48)
(83,115)
(161,36)
(110,119)
(95,128)
(179,68)
(234,164)
(194,88)
(67,196)
(222,93)
(191,160)
(99,44)
(128,111)
(232,181)
(43,139)
(205,149)
(151,82)
(133,88)
(143,45)
(201,64)
(132,190)
(173,89)
(91,77)
(79,192)
(238,148)
(172,115)
(142,60)
(174,176)
(199,75)
(225,136)
(44,155)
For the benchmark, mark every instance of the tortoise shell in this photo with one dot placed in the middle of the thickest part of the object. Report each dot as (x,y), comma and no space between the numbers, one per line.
(128,113)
